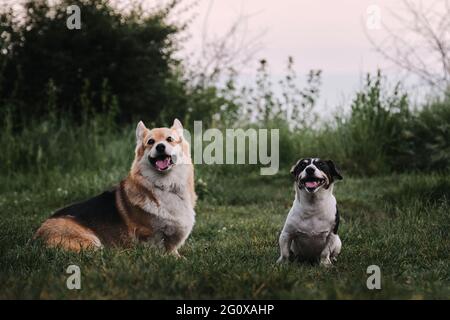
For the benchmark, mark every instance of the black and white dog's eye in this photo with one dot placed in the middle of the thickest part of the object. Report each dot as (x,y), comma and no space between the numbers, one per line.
(151,141)
(169,139)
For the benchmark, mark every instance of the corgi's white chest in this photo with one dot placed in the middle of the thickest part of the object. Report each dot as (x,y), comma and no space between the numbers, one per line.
(172,211)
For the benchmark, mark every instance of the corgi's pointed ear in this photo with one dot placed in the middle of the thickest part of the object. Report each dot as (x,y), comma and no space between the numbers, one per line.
(178,127)
(140,130)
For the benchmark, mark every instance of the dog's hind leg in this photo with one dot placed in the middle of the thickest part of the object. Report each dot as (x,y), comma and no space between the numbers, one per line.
(335,248)
(68,234)
(331,250)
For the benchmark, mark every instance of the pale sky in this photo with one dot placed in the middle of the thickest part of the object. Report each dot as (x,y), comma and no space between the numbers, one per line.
(319,34)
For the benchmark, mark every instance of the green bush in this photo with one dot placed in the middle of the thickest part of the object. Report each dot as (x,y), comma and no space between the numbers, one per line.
(129,54)
(370,140)
(428,139)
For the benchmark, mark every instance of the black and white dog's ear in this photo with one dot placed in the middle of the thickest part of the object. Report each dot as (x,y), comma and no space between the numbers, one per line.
(333,170)
(295,170)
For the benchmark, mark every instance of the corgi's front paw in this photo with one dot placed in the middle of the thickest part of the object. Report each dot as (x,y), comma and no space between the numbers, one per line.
(177,255)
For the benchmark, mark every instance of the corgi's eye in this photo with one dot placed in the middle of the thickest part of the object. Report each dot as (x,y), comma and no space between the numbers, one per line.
(151,141)
(169,139)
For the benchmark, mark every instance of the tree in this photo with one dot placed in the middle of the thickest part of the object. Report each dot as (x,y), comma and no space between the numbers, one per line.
(421,45)
(128,55)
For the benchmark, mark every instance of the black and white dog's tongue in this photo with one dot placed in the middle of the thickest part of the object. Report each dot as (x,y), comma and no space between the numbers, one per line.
(311,184)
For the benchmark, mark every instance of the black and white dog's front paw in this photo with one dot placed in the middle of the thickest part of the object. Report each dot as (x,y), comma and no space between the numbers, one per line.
(282,260)
(326,262)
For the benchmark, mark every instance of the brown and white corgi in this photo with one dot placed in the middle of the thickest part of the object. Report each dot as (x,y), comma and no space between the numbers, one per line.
(154,204)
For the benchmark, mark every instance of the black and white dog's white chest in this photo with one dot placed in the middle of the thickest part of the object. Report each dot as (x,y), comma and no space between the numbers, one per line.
(321,221)
(312,228)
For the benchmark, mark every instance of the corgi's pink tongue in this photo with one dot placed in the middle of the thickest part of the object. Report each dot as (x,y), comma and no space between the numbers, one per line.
(311,184)
(163,164)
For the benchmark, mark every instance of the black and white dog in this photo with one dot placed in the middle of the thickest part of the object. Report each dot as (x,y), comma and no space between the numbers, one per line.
(310,230)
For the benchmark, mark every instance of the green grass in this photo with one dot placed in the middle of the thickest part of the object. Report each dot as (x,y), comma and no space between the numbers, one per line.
(399,223)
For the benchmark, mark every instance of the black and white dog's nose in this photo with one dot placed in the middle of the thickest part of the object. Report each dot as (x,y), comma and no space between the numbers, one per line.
(160,147)
(310,171)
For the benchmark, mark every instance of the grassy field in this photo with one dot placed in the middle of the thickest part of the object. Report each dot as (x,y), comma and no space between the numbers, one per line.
(399,223)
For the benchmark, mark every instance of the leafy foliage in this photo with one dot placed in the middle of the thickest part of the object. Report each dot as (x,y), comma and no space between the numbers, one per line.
(131,53)
(429,137)
(121,66)
(371,137)
(292,105)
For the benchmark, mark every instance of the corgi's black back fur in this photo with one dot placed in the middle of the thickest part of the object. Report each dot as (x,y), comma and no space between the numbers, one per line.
(99,214)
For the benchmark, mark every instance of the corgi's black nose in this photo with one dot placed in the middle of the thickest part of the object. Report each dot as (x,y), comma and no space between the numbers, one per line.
(160,147)
(310,171)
